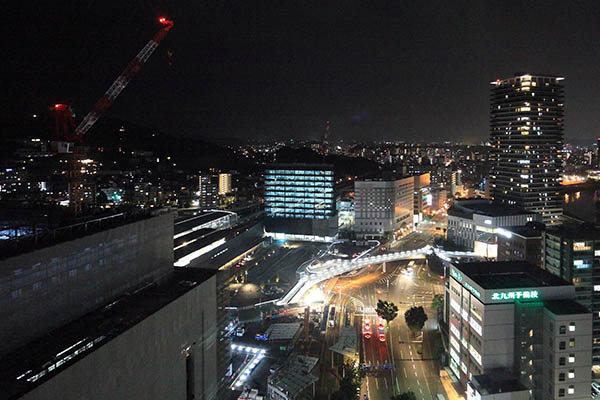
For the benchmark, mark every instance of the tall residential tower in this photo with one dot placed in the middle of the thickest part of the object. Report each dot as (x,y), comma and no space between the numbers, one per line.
(526,134)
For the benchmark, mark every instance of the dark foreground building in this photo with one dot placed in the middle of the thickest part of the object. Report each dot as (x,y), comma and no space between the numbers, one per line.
(100,313)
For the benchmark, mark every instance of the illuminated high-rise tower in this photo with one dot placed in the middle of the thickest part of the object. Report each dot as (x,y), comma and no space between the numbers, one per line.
(526,134)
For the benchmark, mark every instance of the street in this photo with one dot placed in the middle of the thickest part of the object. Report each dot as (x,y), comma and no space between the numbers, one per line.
(396,365)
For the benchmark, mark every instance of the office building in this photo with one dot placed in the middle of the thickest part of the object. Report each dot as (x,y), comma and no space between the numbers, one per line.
(526,134)
(438,199)
(515,317)
(224,184)
(300,202)
(456,186)
(421,192)
(521,243)
(473,223)
(208,192)
(573,253)
(383,207)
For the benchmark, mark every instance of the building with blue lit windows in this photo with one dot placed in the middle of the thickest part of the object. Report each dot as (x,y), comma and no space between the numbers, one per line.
(300,202)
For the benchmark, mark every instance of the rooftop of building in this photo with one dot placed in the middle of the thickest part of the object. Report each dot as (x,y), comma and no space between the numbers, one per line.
(301,166)
(465,208)
(383,176)
(493,383)
(531,230)
(88,226)
(509,275)
(576,231)
(295,377)
(565,307)
(28,367)
(526,76)
(186,222)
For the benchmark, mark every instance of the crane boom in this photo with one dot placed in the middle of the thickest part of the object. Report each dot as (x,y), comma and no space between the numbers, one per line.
(122,80)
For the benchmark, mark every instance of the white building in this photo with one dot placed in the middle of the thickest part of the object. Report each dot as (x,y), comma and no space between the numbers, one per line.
(383,207)
(515,317)
(474,223)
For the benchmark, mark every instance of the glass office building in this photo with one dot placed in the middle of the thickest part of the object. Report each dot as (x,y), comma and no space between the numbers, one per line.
(300,202)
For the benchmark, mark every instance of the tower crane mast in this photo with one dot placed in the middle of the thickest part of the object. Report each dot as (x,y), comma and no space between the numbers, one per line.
(324,139)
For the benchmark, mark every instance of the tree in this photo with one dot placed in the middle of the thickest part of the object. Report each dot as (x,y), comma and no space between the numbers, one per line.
(409,395)
(415,318)
(387,310)
(437,301)
(351,380)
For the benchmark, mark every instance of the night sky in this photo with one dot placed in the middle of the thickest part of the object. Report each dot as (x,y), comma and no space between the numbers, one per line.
(417,70)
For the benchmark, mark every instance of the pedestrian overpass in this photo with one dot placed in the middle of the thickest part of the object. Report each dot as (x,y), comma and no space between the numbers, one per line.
(317,272)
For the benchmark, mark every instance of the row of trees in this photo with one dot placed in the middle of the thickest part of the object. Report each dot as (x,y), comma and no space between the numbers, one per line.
(415,317)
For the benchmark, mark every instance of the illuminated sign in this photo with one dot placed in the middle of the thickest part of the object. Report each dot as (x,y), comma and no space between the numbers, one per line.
(516,295)
(456,275)
(472,289)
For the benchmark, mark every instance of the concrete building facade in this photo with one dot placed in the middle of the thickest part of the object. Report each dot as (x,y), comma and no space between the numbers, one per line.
(46,288)
(473,224)
(573,253)
(505,315)
(521,243)
(383,207)
(158,343)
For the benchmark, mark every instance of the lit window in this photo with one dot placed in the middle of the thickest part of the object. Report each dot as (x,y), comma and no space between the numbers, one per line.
(571,373)
(571,358)
(572,325)
(571,389)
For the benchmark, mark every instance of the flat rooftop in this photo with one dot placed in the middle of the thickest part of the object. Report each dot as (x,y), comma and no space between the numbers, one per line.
(525,231)
(186,222)
(509,275)
(576,232)
(90,226)
(565,307)
(466,209)
(492,384)
(38,361)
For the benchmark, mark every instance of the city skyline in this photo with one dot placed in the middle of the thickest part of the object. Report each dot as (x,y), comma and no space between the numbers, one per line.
(253,71)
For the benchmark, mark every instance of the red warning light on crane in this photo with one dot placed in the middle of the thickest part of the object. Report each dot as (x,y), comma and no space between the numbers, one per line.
(165,21)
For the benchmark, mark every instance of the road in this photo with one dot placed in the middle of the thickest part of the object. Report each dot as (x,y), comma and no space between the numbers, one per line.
(409,371)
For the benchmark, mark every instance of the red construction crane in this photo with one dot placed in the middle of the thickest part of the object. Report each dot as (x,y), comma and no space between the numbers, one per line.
(64,116)
(122,80)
